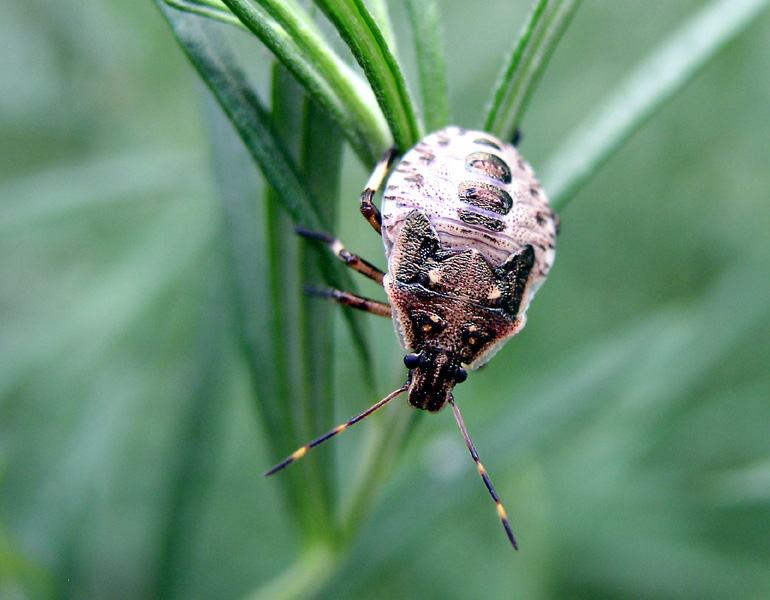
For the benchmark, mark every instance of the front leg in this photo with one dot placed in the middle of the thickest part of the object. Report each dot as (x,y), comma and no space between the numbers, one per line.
(368,209)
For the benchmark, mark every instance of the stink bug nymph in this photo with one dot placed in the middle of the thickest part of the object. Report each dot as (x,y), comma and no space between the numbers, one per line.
(469,238)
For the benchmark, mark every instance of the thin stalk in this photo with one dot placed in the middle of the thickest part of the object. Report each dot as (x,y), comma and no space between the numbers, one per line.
(320,154)
(304,579)
(379,10)
(264,339)
(663,73)
(428,36)
(364,38)
(294,40)
(213,9)
(525,64)
(385,445)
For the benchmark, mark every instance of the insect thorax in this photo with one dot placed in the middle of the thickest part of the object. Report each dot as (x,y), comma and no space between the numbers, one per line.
(453,301)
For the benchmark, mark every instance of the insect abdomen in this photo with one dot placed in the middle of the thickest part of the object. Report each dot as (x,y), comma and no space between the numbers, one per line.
(477,192)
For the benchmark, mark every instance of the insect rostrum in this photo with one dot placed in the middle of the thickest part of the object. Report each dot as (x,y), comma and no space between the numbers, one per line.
(469,238)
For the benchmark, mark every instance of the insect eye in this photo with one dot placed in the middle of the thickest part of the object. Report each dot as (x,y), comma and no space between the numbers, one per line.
(461,376)
(411,361)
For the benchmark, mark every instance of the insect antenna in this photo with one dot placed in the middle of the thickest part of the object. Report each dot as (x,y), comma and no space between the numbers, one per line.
(483,473)
(299,453)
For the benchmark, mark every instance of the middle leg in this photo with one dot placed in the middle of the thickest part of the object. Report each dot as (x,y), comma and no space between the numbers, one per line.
(354,261)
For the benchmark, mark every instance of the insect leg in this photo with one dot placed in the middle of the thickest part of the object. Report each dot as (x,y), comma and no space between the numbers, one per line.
(483,473)
(353,300)
(354,261)
(299,453)
(368,209)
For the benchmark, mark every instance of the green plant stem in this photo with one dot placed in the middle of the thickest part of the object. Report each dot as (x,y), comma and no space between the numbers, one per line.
(307,576)
(379,10)
(213,9)
(293,39)
(357,97)
(364,38)
(667,70)
(428,41)
(384,446)
(525,64)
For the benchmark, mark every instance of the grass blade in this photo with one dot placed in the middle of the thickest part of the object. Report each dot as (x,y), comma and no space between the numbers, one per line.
(245,234)
(364,38)
(255,126)
(667,70)
(293,38)
(288,270)
(428,40)
(193,474)
(218,69)
(213,9)
(379,11)
(522,69)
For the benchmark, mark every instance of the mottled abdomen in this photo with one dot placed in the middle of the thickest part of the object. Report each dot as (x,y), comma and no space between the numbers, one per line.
(477,192)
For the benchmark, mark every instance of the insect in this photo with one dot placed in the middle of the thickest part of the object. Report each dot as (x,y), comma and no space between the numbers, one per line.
(469,238)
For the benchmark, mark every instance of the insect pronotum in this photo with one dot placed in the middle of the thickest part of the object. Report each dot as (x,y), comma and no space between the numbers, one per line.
(469,238)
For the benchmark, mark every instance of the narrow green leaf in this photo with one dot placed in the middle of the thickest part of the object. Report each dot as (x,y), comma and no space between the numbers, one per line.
(245,233)
(218,68)
(525,64)
(364,38)
(292,37)
(320,154)
(379,11)
(321,159)
(288,271)
(194,473)
(254,125)
(213,9)
(664,72)
(428,41)
(304,579)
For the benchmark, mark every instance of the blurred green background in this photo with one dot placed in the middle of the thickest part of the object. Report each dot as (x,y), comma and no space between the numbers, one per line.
(627,428)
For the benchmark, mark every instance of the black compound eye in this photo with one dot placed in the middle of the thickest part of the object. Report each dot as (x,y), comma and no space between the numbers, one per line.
(411,361)
(461,376)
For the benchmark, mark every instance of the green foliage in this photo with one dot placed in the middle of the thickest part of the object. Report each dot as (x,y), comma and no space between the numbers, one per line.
(158,353)
(525,64)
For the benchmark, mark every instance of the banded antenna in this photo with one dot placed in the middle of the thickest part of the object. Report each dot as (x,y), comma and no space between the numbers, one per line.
(300,452)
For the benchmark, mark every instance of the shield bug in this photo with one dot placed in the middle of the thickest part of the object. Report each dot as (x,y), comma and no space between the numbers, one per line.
(469,238)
